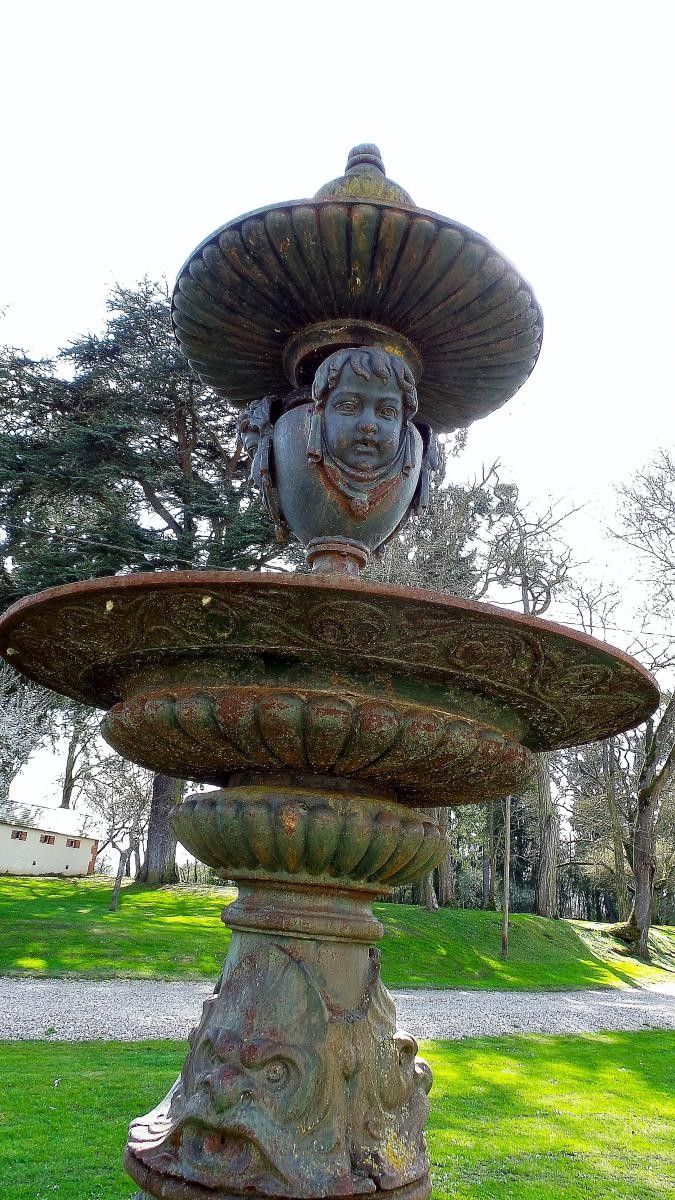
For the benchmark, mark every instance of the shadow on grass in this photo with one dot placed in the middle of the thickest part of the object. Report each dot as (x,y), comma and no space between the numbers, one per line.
(460,948)
(57,927)
(537,1118)
(589,1116)
(63,928)
(661,945)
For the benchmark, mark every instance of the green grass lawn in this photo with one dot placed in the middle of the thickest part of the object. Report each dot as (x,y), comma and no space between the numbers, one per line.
(537,1118)
(57,927)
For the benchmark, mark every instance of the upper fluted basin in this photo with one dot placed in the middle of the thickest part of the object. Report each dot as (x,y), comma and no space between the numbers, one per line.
(252,287)
(263,300)
(209,673)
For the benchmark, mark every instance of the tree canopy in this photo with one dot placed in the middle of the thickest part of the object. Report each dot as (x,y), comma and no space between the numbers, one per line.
(115,458)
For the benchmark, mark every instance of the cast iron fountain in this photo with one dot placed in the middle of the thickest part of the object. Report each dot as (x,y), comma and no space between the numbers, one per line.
(329,713)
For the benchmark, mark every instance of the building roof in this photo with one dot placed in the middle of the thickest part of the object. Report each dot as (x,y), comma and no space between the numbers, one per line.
(48,820)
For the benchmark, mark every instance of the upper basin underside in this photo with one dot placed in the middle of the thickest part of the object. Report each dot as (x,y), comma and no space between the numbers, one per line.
(108,639)
(250,288)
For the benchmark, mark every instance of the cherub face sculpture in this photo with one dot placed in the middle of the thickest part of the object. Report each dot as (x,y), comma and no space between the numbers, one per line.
(364,401)
(363,420)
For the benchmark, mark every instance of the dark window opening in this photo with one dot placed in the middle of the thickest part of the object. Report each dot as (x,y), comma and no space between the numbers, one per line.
(74,842)
(47,838)
(19,835)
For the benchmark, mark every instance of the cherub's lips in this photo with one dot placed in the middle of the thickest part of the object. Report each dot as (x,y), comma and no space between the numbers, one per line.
(366,444)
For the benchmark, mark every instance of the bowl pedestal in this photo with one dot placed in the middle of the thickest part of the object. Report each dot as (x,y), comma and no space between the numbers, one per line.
(297,1082)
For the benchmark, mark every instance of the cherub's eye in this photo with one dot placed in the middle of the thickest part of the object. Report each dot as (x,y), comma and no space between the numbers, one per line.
(388,412)
(275,1072)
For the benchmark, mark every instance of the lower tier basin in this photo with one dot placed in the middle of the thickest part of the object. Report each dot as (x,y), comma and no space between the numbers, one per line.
(434,699)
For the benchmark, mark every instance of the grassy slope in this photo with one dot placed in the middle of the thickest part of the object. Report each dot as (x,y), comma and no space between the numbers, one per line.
(55,927)
(541,1118)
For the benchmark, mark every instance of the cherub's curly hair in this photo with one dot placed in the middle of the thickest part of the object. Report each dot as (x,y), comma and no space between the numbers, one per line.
(366,362)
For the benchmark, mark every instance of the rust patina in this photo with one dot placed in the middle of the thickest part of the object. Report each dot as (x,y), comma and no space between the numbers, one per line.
(331,715)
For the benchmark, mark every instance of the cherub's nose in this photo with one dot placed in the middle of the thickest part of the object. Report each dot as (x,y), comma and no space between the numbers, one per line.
(368,425)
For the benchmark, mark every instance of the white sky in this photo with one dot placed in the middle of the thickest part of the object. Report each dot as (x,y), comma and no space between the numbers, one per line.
(131,130)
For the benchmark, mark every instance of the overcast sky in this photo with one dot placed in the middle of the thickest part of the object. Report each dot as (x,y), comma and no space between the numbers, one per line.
(131,130)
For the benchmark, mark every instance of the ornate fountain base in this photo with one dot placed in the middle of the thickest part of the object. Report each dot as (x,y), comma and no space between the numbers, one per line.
(333,711)
(297,1082)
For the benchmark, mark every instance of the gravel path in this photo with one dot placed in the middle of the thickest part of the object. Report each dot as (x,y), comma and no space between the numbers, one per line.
(135,1009)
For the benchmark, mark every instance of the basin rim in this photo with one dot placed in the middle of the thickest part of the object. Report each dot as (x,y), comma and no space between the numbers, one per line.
(342,595)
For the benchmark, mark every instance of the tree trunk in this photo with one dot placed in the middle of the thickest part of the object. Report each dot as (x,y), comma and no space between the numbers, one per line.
(546,883)
(447,890)
(429,893)
(446,871)
(620,882)
(644,870)
(492,849)
(486,878)
(160,854)
(507,876)
(635,931)
(69,773)
(656,778)
(125,855)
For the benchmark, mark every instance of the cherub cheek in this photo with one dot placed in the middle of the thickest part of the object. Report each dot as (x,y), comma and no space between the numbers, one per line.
(343,439)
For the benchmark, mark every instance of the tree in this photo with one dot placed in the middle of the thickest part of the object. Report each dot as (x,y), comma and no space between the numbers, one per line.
(598,776)
(525,552)
(478,540)
(647,524)
(439,552)
(25,712)
(655,776)
(507,877)
(78,724)
(490,859)
(623,818)
(446,872)
(118,795)
(160,858)
(115,458)
(621,789)
(594,784)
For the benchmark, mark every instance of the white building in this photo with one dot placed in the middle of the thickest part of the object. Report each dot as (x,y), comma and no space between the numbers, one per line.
(45,841)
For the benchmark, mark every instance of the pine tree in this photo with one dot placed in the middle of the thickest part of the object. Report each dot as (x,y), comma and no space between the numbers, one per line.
(115,458)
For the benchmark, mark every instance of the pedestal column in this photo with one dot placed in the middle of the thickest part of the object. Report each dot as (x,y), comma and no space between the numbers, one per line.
(297,1082)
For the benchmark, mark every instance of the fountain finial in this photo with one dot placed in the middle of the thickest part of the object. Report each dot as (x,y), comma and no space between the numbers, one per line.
(366,153)
(364,179)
